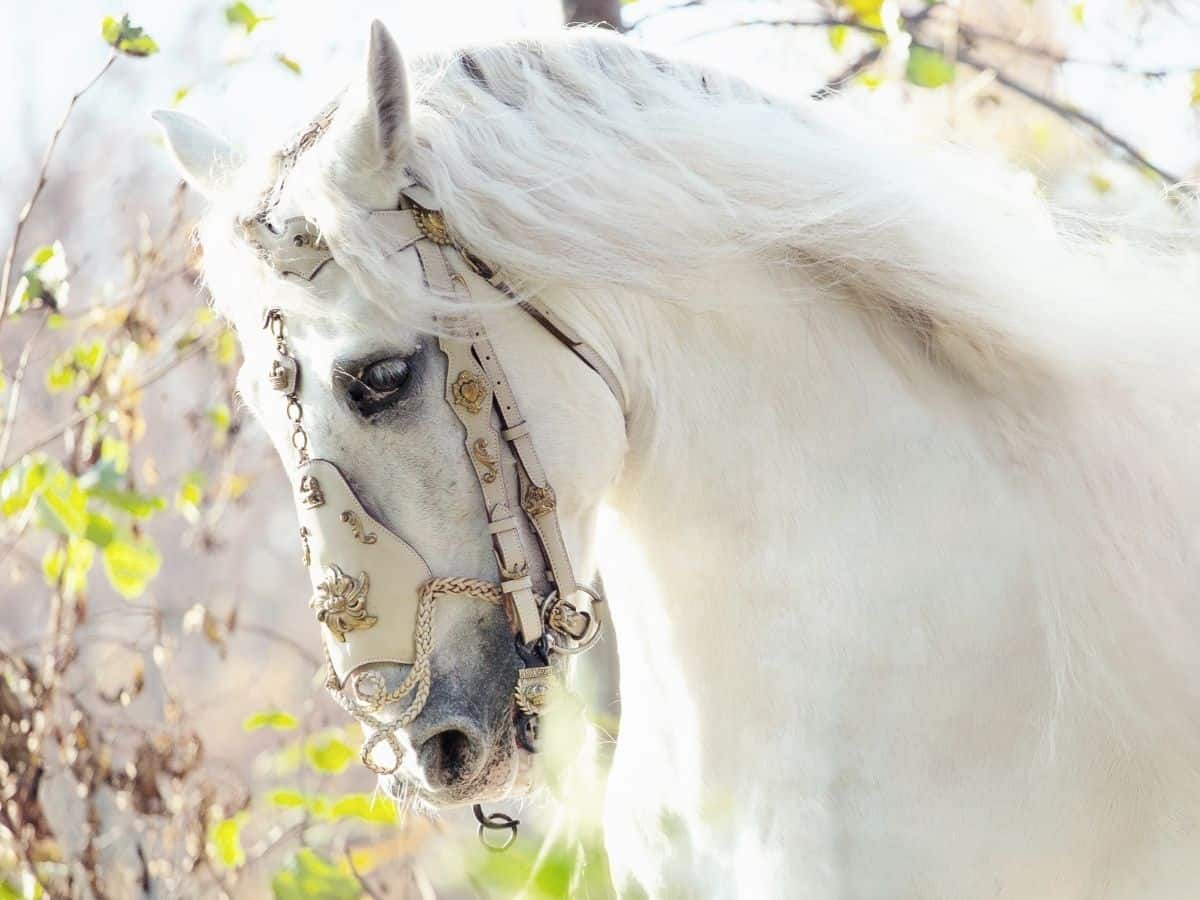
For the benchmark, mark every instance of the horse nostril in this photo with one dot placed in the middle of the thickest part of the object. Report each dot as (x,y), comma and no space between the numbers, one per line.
(449,757)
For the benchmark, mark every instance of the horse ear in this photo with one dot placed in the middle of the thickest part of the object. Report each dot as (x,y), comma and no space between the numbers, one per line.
(204,158)
(379,125)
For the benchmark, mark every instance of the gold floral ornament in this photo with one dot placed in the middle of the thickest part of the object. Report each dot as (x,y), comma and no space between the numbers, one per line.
(469,391)
(538,500)
(350,517)
(341,602)
(483,456)
(432,224)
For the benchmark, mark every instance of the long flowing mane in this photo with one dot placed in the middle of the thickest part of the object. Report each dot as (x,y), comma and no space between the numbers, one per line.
(585,162)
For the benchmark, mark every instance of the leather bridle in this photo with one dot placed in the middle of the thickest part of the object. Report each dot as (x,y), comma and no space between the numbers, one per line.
(374,594)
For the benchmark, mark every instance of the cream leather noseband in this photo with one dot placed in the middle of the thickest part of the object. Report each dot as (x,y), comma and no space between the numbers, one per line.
(374,595)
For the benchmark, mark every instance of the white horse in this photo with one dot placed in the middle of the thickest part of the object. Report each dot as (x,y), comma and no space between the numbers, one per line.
(913,469)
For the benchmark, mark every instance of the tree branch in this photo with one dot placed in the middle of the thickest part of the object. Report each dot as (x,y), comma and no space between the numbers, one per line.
(27,209)
(965,57)
(1071,115)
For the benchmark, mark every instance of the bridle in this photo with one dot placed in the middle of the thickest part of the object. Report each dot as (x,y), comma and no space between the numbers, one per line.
(347,551)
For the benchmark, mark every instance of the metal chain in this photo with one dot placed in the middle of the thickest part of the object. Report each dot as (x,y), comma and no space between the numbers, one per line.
(287,367)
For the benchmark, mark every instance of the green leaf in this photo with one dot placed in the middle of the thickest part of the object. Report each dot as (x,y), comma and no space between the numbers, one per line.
(329,754)
(928,68)
(288,799)
(43,281)
(220,418)
(307,876)
(1196,88)
(62,505)
(61,374)
(275,719)
(837,37)
(127,37)
(70,563)
(225,351)
(226,840)
(1099,183)
(137,505)
(287,62)
(1078,13)
(130,565)
(366,808)
(21,483)
(89,356)
(868,12)
(189,496)
(115,452)
(179,95)
(242,14)
(100,530)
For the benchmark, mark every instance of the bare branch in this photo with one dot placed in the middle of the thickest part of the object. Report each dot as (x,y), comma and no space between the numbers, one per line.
(1071,115)
(14,394)
(27,209)
(966,57)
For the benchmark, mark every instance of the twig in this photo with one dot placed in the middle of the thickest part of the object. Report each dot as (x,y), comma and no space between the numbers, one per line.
(1070,114)
(362,882)
(972,33)
(662,12)
(966,58)
(27,209)
(280,638)
(14,394)
(830,87)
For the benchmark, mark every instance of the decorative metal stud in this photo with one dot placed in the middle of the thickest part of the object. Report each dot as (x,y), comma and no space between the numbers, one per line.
(484,457)
(432,224)
(350,517)
(341,602)
(469,391)
(532,693)
(283,374)
(306,554)
(567,619)
(538,500)
(311,494)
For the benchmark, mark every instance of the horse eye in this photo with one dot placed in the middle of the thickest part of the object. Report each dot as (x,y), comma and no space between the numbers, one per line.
(378,386)
(385,375)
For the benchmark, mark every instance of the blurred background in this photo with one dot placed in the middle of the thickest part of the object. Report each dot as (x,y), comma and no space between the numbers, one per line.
(163,731)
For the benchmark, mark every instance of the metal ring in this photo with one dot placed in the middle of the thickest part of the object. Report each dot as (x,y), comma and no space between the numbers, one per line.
(592,635)
(294,404)
(495,822)
(299,445)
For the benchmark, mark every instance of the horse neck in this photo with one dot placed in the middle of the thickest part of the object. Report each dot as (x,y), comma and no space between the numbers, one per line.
(777,462)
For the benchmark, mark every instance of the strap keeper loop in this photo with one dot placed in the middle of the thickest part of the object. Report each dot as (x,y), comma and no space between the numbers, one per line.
(517,431)
(519,584)
(501,525)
